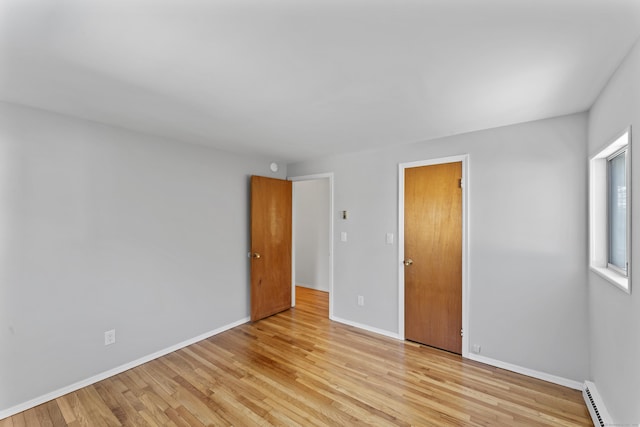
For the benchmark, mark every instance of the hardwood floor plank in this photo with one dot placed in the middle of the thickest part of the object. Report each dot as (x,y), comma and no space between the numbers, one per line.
(53,414)
(197,403)
(31,418)
(65,409)
(300,368)
(75,409)
(189,417)
(19,420)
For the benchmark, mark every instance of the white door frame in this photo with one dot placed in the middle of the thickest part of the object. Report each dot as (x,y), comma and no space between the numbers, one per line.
(293,243)
(465,241)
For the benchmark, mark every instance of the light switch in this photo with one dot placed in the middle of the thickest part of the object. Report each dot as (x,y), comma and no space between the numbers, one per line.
(343,236)
(389,238)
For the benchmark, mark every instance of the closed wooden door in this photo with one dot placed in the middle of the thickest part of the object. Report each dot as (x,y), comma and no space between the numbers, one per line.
(433,255)
(270,246)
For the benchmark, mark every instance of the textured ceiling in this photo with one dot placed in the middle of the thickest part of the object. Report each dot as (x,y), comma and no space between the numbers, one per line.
(304,78)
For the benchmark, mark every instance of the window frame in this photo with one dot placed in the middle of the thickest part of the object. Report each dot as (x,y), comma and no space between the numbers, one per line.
(625,150)
(599,226)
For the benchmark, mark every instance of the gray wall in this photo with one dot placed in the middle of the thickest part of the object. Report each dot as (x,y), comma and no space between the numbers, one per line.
(311,207)
(104,228)
(615,315)
(528,257)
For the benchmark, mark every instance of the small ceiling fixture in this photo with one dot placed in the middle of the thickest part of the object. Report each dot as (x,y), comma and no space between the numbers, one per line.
(273,166)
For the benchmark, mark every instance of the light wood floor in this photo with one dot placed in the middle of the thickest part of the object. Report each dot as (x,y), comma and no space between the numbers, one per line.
(299,368)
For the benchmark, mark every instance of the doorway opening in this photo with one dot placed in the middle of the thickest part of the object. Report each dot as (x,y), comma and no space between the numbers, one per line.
(312,253)
(406,263)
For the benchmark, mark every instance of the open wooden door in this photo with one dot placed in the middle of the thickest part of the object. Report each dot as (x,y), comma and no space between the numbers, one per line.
(433,255)
(270,246)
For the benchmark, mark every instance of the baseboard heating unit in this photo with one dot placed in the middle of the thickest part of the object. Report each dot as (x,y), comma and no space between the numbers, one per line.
(595,404)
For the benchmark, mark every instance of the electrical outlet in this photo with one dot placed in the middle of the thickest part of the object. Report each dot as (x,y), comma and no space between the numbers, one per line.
(110,337)
(475,348)
(360,300)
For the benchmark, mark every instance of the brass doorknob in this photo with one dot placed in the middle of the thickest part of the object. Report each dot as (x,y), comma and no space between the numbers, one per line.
(256,255)
(407,262)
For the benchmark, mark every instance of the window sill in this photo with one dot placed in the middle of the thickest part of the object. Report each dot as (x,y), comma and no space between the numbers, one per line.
(616,279)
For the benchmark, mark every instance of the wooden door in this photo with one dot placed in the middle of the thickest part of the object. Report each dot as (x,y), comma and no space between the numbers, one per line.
(433,255)
(270,246)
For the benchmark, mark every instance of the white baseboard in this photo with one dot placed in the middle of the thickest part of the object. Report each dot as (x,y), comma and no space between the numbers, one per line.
(6,413)
(366,327)
(304,285)
(482,359)
(317,288)
(526,371)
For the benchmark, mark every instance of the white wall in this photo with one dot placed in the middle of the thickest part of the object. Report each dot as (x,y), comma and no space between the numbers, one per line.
(104,228)
(311,207)
(614,315)
(528,257)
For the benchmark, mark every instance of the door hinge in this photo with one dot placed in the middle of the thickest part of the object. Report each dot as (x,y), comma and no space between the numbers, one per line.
(460,183)
(462,332)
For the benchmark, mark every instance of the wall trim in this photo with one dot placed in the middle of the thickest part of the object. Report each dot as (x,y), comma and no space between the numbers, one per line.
(366,327)
(6,413)
(526,371)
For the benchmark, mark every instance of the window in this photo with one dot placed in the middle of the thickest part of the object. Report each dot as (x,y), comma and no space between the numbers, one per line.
(609,209)
(617,210)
